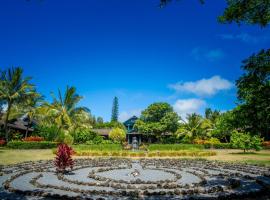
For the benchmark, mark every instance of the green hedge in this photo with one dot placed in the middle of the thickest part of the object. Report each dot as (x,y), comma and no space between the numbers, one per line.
(98,147)
(219,146)
(174,147)
(31,145)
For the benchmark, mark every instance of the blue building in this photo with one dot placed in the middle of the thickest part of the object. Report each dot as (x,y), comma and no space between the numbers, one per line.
(132,133)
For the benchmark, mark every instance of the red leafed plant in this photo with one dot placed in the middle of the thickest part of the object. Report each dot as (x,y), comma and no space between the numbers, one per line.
(33,139)
(63,158)
(2,142)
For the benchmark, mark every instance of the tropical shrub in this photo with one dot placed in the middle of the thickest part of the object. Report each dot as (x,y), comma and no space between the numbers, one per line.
(68,139)
(245,141)
(117,135)
(212,141)
(63,158)
(96,140)
(83,135)
(31,145)
(49,133)
(33,139)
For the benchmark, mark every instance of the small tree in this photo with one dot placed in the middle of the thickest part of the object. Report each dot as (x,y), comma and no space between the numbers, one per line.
(245,141)
(117,135)
(63,158)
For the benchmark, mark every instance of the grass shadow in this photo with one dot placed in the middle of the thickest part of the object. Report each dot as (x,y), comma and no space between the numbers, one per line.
(244,153)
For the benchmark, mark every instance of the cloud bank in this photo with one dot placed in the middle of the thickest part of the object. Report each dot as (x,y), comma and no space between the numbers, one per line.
(203,87)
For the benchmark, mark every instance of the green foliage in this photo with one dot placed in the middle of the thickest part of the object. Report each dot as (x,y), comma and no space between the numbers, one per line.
(68,139)
(31,145)
(96,140)
(14,89)
(158,118)
(253,113)
(224,126)
(49,133)
(242,11)
(172,139)
(109,125)
(245,141)
(174,147)
(247,11)
(117,135)
(98,147)
(115,108)
(65,113)
(82,135)
(195,127)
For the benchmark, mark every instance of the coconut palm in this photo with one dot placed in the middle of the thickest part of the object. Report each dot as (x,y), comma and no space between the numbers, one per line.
(14,89)
(65,113)
(195,126)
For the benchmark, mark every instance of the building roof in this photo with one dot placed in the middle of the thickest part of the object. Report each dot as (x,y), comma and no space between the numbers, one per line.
(18,124)
(130,121)
(102,131)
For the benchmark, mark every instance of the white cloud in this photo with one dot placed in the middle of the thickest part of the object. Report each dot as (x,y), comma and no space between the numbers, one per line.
(187,106)
(246,38)
(203,87)
(125,115)
(207,54)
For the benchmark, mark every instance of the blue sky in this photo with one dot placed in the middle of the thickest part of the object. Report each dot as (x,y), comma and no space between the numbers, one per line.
(129,49)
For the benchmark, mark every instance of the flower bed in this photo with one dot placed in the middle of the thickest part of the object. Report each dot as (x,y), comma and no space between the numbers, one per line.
(33,139)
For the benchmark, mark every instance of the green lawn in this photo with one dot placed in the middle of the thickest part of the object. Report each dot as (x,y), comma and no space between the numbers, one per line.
(11,156)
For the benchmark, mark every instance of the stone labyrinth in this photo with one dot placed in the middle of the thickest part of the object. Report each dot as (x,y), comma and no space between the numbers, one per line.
(135,179)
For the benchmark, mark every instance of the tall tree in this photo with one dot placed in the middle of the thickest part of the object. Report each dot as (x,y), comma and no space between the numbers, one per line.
(242,11)
(14,89)
(65,113)
(1,109)
(115,110)
(156,119)
(254,94)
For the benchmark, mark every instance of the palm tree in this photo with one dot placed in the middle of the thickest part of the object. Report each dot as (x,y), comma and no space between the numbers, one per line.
(32,110)
(65,113)
(194,127)
(14,89)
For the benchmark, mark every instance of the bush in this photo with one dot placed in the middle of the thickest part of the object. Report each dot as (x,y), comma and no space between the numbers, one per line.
(31,145)
(49,133)
(174,147)
(96,140)
(68,139)
(63,158)
(33,139)
(98,147)
(83,135)
(117,135)
(245,141)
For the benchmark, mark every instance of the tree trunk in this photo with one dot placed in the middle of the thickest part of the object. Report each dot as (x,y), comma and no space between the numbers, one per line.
(6,121)
(27,128)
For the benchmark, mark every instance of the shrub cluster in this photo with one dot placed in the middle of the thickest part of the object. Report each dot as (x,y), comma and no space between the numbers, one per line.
(31,145)
(174,147)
